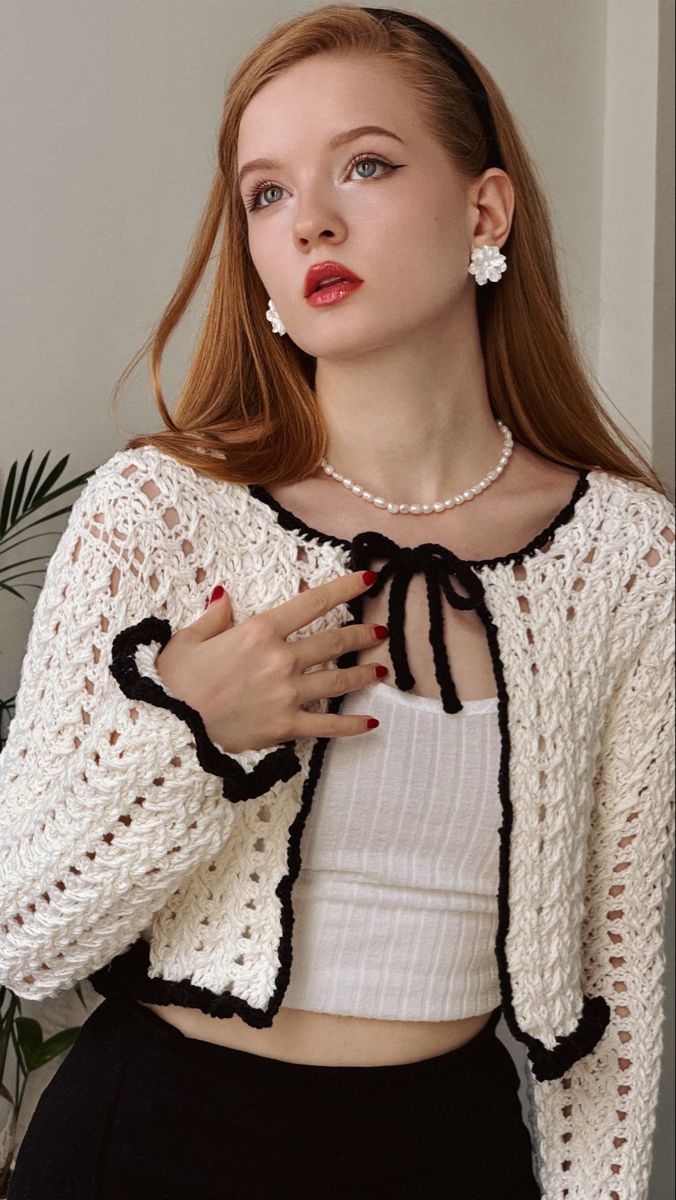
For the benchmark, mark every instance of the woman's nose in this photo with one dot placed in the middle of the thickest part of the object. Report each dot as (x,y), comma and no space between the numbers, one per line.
(318,218)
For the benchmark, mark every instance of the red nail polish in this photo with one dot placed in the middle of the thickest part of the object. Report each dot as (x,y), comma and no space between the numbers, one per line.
(372,723)
(217,593)
(370,576)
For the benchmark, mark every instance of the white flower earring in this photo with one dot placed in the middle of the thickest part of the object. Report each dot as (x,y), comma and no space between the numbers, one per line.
(487,263)
(274,318)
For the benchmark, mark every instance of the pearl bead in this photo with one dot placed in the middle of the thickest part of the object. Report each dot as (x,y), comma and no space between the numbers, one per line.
(439,505)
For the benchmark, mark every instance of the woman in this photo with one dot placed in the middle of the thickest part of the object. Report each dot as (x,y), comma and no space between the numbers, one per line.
(308,896)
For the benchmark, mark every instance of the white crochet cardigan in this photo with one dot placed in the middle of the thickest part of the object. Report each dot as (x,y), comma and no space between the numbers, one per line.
(135,852)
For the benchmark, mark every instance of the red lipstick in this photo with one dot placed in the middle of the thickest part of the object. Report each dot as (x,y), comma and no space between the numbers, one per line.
(328,282)
(332,293)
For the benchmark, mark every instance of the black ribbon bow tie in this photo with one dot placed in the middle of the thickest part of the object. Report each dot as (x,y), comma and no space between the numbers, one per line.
(439,566)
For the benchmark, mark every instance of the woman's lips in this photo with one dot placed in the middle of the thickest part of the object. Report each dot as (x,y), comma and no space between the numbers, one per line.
(332,293)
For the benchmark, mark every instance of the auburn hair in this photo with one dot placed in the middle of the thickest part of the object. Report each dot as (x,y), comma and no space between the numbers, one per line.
(247,411)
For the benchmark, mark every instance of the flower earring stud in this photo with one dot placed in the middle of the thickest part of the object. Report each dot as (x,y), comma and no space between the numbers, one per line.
(274,318)
(487,263)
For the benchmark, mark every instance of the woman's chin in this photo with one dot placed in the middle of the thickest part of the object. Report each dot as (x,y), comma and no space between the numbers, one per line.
(347,345)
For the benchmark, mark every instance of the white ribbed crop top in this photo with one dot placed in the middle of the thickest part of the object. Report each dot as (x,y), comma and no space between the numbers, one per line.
(395,905)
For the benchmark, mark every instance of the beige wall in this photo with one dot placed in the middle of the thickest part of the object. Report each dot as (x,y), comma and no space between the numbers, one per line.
(109,116)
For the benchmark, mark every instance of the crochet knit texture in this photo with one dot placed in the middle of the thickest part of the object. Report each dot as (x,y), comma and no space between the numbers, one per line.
(134,850)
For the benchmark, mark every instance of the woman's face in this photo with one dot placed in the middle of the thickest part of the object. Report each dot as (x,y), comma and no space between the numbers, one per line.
(398,217)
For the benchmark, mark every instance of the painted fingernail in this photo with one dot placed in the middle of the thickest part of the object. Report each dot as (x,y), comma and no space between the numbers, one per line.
(372,723)
(217,593)
(370,576)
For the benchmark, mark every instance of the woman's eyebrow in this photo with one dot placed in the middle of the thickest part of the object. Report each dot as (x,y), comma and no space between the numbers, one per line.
(271,164)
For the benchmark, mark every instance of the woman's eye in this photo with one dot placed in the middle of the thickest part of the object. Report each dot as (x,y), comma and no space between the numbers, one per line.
(366,158)
(261,188)
(252,202)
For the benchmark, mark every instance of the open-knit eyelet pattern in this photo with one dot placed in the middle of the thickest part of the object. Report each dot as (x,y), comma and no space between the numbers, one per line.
(136,852)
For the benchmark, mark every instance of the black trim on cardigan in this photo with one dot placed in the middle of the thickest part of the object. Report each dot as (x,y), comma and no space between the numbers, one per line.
(546,1064)
(129,971)
(290,521)
(239,784)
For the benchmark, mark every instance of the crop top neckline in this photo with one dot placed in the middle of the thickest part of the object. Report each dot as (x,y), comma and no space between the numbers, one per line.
(487,704)
(289,520)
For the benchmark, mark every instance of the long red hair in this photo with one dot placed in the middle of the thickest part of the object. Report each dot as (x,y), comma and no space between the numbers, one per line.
(247,411)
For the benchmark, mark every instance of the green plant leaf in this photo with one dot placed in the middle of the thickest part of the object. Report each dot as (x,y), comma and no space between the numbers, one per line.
(15,508)
(21,562)
(21,575)
(46,517)
(59,1042)
(7,498)
(38,1052)
(77,987)
(21,487)
(13,592)
(29,1033)
(54,474)
(66,487)
(31,537)
(36,478)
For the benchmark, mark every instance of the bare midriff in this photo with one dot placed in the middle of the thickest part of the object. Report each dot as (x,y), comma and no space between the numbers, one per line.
(326,1039)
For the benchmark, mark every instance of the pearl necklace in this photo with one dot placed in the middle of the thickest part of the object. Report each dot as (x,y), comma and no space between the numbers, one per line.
(441,505)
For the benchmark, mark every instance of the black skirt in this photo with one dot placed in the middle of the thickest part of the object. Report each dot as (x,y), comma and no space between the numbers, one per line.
(139,1111)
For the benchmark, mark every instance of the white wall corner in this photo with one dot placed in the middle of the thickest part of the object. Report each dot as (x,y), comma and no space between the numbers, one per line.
(627,267)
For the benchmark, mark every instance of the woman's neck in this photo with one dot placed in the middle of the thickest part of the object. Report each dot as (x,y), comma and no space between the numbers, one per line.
(413,423)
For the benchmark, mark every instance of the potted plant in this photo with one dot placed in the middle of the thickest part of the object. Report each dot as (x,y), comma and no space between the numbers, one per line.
(21,499)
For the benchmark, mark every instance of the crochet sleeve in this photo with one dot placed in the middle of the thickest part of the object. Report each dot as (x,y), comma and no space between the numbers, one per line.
(595,1124)
(106,803)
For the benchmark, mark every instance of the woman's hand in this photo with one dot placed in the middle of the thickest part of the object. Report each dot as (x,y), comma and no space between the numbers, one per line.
(248,682)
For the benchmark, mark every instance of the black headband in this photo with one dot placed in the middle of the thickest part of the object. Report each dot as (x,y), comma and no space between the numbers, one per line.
(458,63)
